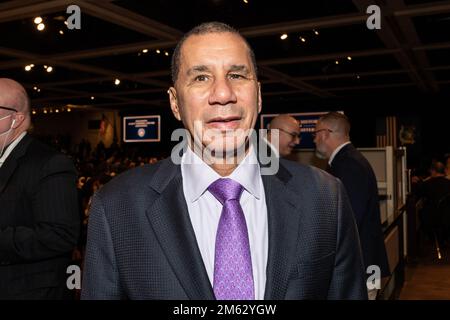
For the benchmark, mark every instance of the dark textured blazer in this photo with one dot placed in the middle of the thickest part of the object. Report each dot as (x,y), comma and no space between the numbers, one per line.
(355,172)
(141,244)
(39,221)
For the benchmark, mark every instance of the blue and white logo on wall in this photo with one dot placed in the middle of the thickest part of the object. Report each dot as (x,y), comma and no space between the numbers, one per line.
(142,128)
(141,132)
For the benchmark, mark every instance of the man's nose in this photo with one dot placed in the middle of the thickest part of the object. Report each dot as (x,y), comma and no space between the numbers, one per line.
(222,92)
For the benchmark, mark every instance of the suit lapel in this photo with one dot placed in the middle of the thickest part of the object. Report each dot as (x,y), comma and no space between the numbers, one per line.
(171,224)
(283,220)
(11,162)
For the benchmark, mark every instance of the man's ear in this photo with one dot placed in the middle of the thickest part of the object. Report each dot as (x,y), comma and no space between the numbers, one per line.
(174,103)
(18,119)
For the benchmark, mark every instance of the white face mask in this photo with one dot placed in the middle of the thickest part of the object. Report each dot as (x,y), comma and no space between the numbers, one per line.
(7,133)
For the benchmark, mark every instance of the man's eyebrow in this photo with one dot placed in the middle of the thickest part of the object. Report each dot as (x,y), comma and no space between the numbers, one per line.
(240,67)
(199,68)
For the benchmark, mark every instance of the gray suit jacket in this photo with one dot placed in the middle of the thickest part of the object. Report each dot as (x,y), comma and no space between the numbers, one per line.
(141,244)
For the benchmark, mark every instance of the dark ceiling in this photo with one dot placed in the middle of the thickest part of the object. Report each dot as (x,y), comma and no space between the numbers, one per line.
(410,53)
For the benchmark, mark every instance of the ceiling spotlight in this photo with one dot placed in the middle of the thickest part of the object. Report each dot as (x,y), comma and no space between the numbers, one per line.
(49,69)
(117,82)
(245,1)
(349,58)
(158,51)
(65,22)
(92,98)
(358,77)
(33,112)
(37,20)
(61,32)
(68,109)
(337,62)
(27,68)
(38,90)
(32,65)
(57,110)
(45,111)
(45,66)
(302,39)
(316,32)
(41,26)
(51,110)
(166,53)
(144,50)
(34,88)
(284,36)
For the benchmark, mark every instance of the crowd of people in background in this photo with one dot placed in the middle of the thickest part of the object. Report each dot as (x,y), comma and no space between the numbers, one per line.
(96,166)
(433,192)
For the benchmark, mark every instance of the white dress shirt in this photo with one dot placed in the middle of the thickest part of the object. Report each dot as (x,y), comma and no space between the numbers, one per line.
(335,152)
(205,210)
(11,147)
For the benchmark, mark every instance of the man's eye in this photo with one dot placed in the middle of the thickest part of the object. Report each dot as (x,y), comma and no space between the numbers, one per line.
(236,76)
(201,78)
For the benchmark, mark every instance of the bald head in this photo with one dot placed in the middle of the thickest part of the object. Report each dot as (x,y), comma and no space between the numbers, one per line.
(282,121)
(14,95)
(14,112)
(289,134)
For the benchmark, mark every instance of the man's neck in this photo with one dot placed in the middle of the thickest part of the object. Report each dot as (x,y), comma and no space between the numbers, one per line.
(224,169)
(224,166)
(337,147)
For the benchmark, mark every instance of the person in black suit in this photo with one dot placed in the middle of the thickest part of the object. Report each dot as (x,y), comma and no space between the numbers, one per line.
(212,225)
(332,139)
(39,224)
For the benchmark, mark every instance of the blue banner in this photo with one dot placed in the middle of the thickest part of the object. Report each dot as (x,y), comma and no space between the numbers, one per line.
(142,128)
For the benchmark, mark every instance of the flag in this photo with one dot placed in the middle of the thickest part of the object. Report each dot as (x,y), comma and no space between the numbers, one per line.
(387,132)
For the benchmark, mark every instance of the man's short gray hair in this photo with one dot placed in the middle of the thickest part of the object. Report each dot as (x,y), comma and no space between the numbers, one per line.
(205,28)
(338,121)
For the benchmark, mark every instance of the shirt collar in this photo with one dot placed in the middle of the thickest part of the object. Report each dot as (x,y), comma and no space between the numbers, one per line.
(11,147)
(198,176)
(335,152)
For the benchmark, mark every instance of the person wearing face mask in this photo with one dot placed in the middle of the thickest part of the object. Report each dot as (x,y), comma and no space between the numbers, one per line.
(39,223)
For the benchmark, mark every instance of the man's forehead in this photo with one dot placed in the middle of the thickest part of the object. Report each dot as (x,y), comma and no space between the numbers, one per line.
(292,125)
(195,46)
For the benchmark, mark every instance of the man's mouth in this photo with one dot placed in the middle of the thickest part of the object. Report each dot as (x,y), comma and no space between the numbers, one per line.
(224,123)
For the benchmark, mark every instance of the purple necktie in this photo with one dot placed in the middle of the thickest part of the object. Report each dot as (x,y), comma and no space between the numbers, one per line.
(233,276)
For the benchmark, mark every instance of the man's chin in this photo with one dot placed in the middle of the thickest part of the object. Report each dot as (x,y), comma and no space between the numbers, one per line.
(320,155)
(224,154)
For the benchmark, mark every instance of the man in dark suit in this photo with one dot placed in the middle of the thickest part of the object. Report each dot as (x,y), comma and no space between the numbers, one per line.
(332,139)
(211,225)
(39,224)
